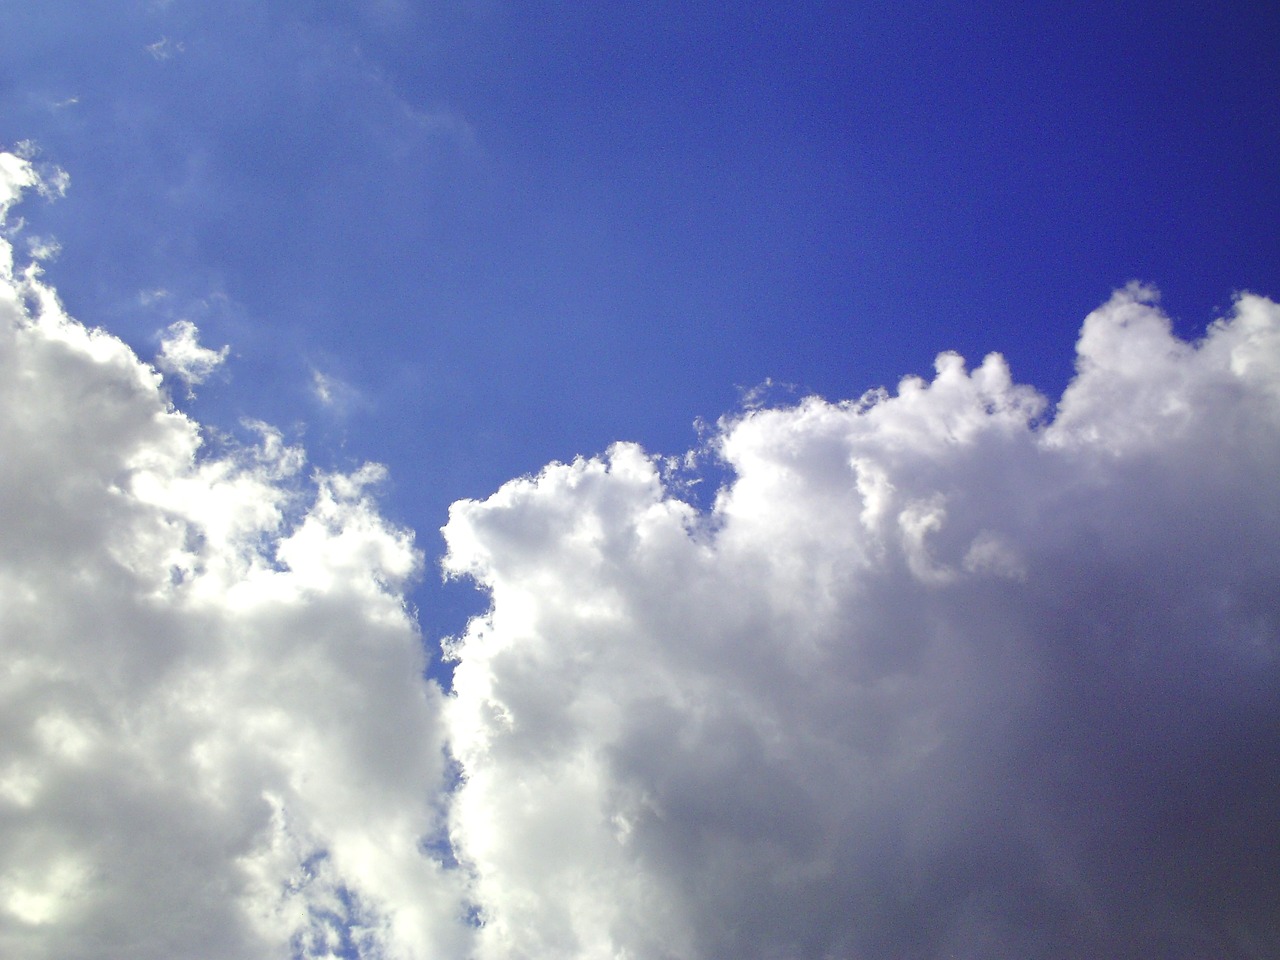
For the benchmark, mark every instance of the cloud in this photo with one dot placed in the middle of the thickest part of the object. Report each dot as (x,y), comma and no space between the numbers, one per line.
(335,394)
(182,355)
(43,248)
(165,49)
(19,170)
(218,741)
(947,673)
(16,175)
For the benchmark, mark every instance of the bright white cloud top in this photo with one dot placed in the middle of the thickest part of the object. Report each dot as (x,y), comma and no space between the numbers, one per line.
(947,673)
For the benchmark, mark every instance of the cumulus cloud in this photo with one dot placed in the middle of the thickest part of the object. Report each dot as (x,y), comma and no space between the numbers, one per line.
(16,175)
(21,169)
(218,742)
(952,672)
(182,356)
(944,673)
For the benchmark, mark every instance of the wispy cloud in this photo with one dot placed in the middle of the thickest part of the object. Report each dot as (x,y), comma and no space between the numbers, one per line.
(43,248)
(165,49)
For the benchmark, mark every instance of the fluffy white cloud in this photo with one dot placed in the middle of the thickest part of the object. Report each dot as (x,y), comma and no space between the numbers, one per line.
(939,676)
(217,739)
(182,356)
(947,673)
(16,175)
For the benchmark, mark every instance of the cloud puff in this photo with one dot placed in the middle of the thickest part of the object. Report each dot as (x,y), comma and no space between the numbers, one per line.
(218,741)
(182,355)
(947,673)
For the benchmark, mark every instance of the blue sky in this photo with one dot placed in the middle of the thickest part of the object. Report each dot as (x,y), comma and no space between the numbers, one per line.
(520,232)
(469,238)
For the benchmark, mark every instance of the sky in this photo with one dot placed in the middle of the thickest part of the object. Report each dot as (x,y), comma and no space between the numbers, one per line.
(511,481)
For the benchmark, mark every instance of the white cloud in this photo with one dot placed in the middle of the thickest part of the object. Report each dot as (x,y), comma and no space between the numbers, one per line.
(218,742)
(182,356)
(945,673)
(20,171)
(934,679)
(16,175)
(43,248)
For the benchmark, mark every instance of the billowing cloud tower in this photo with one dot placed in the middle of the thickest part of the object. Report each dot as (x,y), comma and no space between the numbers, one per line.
(943,674)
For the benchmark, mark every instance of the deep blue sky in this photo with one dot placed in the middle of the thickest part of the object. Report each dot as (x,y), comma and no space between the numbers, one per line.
(519,232)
